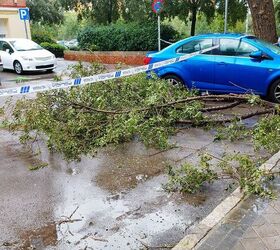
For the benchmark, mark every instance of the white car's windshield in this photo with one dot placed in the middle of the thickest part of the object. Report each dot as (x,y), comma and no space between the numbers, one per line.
(25,45)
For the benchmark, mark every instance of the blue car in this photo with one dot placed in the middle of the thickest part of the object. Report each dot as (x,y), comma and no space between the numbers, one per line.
(239,64)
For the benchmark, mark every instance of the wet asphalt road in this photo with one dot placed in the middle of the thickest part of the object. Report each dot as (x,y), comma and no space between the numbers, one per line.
(117,197)
(8,77)
(112,201)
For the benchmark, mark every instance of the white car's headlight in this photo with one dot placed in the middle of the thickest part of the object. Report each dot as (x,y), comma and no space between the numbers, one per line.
(27,58)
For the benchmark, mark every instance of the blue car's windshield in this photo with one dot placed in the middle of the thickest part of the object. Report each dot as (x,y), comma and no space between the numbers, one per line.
(273,48)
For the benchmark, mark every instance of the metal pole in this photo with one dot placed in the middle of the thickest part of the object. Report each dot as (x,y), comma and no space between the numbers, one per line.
(159,47)
(247,23)
(26,32)
(226,15)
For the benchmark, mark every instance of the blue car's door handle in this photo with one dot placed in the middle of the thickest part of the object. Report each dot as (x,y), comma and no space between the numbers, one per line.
(222,63)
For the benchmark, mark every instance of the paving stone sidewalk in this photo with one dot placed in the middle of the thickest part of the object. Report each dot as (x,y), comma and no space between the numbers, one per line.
(253,225)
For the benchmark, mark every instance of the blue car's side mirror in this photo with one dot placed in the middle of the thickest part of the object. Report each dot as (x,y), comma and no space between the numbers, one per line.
(257,55)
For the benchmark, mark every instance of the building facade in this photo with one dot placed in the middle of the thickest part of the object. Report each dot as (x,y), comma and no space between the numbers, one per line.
(10,24)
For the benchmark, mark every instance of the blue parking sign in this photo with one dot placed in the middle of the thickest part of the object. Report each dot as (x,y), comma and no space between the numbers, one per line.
(24,14)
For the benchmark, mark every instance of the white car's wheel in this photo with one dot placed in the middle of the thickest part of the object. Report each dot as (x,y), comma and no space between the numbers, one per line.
(18,68)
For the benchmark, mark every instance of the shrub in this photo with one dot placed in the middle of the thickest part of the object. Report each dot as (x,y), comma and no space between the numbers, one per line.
(56,49)
(124,37)
(41,34)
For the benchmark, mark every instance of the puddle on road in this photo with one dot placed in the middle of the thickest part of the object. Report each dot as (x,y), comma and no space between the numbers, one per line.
(119,197)
(39,238)
(128,165)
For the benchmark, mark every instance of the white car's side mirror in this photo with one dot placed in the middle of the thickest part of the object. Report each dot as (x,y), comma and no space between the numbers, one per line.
(7,50)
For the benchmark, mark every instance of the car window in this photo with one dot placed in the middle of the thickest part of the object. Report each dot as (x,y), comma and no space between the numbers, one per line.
(4,46)
(245,49)
(235,47)
(25,45)
(194,46)
(273,48)
(228,47)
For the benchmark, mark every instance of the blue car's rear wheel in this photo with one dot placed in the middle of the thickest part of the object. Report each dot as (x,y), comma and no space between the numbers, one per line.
(174,80)
(274,91)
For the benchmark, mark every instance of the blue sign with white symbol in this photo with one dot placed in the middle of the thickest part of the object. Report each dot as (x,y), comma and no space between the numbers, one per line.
(24,14)
(157,6)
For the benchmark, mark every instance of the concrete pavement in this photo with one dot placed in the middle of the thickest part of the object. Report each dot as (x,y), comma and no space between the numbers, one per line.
(253,225)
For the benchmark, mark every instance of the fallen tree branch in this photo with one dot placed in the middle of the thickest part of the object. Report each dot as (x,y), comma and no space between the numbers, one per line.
(227,106)
(240,98)
(231,119)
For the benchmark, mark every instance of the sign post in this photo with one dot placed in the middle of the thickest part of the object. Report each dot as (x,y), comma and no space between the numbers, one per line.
(24,15)
(157,8)
(226,15)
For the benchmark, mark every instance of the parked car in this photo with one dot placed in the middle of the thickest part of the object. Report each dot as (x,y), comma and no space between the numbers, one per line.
(25,55)
(241,64)
(72,44)
(1,64)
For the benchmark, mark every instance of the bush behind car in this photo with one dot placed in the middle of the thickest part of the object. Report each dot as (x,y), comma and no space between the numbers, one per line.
(124,37)
(56,49)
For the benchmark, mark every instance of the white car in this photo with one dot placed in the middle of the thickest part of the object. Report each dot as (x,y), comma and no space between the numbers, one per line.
(1,64)
(25,55)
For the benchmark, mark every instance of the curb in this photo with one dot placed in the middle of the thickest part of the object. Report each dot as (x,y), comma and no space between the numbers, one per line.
(199,232)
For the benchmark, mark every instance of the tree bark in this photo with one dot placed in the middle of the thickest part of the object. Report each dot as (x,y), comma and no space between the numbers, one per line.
(263,15)
(194,13)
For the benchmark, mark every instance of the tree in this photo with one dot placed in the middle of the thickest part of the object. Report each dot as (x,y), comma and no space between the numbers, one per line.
(187,10)
(263,17)
(237,10)
(137,11)
(101,11)
(45,12)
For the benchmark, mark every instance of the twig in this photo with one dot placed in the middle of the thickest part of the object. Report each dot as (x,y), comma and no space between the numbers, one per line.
(98,239)
(74,212)
(163,151)
(216,157)
(68,221)
(154,247)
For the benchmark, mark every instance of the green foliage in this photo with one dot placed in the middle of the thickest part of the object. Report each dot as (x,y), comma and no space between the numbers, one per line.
(189,178)
(42,33)
(82,70)
(233,132)
(55,48)
(100,11)
(237,10)
(78,121)
(124,37)
(38,166)
(45,12)
(71,26)
(21,79)
(251,178)
(267,134)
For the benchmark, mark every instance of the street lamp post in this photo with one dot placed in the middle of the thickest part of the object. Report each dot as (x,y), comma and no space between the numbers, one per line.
(226,15)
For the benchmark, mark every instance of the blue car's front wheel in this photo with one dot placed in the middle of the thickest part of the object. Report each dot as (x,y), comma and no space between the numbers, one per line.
(174,80)
(274,91)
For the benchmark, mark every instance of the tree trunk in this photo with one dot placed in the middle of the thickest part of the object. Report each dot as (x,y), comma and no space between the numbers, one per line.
(263,15)
(194,13)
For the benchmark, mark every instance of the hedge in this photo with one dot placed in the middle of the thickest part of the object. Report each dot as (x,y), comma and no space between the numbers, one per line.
(42,37)
(56,49)
(124,37)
